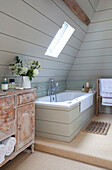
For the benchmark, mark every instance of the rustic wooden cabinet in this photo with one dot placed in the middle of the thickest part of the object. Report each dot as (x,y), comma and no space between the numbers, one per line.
(25,124)
(17,118)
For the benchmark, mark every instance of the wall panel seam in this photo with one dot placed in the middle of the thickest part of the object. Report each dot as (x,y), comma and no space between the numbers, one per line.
(58,69)
(91,5)
(91,70)
(97,40)
(94,22)
(25,23)
(35,56)
(103,10)
(91,63)
(99,31)
(32,43)
(95,56)
(95,48)
(68,16)
(48,18)
(35,29)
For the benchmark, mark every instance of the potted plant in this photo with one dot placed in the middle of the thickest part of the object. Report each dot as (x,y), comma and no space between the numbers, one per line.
(27,71)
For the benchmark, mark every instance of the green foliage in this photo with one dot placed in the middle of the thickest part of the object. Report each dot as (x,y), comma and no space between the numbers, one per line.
(31,70)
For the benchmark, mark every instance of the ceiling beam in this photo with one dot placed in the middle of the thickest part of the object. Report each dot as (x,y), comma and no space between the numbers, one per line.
(74,6)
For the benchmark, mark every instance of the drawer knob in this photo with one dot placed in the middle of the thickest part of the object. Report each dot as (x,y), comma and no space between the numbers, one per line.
(19,127)
(9,102)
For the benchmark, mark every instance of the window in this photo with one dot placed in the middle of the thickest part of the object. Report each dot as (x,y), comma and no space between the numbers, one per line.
(60,40)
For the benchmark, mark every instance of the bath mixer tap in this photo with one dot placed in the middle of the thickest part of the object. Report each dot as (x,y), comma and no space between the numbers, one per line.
(53,86)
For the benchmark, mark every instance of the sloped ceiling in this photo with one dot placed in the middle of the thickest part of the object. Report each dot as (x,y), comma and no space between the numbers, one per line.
(88,6)
(94,59)
(27,29)
(75,7)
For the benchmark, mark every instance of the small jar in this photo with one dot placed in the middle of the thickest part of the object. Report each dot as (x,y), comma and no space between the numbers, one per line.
(4,85)
(11,83)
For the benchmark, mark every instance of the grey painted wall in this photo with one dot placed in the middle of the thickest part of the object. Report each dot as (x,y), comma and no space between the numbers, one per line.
(88,6)
(94,59)
(27,28)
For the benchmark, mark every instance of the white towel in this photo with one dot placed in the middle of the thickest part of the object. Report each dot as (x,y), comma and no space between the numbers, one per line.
(2,153)
(106,91)
(106,102)
(9,145)
(86,101)
(105,86)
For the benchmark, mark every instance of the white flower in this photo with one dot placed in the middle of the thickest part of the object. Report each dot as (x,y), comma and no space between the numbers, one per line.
(31,62)
(23,70)
(35,72)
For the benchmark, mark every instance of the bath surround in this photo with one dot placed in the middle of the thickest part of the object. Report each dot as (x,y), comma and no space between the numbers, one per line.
(64,119)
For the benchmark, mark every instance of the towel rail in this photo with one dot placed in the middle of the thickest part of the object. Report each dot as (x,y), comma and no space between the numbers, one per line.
(99,97)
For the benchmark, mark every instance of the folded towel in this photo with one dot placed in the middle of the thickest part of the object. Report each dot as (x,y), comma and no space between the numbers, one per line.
(106,91)
(106,102)
(105,86)
(2,153)
(9,145)
(86,101)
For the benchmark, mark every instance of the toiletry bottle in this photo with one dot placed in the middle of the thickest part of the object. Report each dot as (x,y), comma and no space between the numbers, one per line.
(87,87)
(4,85)
(11,83)
(83,89)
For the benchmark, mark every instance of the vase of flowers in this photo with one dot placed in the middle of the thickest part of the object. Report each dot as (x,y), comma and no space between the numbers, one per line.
(26,70)
(26,83)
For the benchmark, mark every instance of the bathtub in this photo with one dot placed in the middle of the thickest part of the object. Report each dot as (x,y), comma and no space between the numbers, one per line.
(62,120)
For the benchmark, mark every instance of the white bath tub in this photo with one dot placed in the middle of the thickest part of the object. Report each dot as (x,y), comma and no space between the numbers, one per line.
(62,120)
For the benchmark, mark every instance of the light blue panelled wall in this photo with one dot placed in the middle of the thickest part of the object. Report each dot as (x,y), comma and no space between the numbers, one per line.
(78,84)
(94,59)
(26,31)
(44,86)
(29,26)
(62,86)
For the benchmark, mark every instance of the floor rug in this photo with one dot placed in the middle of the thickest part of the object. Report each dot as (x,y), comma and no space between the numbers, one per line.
(97,127)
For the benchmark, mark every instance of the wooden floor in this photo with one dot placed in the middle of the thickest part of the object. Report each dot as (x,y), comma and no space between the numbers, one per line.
(86,147)
(44,161)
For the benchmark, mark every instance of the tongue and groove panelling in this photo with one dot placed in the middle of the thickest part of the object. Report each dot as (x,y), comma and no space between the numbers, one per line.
(94,59)
(27,28)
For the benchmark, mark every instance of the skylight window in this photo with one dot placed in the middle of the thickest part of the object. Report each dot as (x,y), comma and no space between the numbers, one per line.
(60,40)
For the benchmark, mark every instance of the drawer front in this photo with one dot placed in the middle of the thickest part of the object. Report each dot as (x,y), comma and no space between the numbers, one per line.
(7,116)
(6,102)
(25,98)
(8,127)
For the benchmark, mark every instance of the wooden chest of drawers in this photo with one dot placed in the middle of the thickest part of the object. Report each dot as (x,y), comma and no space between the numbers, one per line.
(17,118)
(6,102)
(25,98)
(7,115)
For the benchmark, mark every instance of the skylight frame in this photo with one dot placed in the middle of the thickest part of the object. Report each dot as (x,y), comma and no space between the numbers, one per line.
(60,40)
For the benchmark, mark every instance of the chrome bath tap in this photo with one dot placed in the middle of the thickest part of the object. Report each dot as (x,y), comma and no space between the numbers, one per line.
(53,86)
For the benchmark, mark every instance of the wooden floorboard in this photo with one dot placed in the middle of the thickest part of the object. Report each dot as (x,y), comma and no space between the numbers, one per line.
(90,148)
